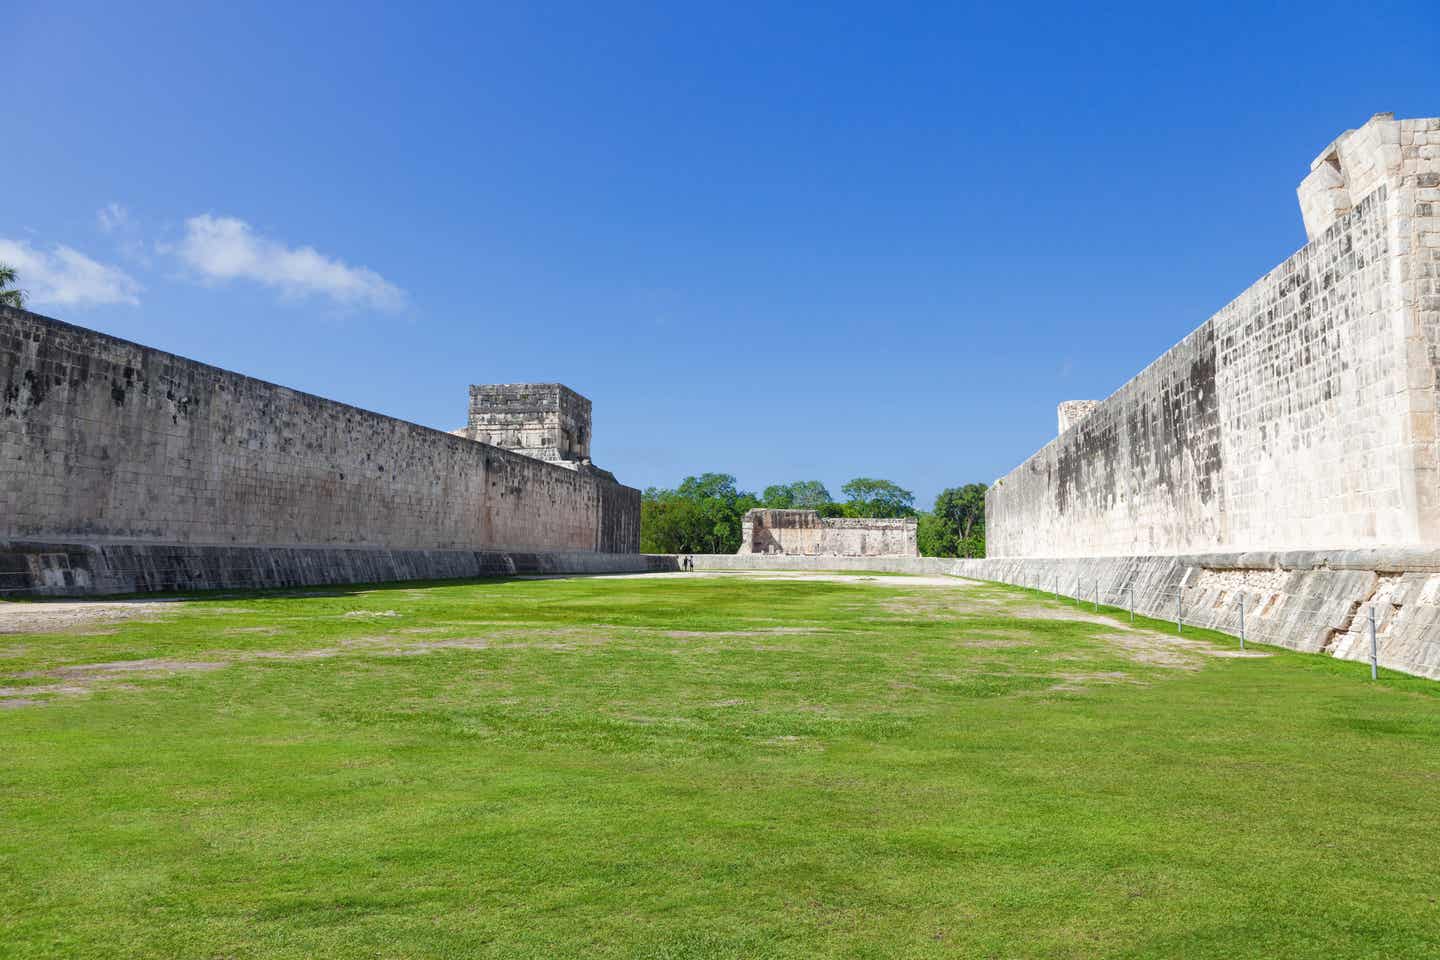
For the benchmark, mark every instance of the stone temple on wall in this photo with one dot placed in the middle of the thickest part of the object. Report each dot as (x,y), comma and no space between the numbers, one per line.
(547,421)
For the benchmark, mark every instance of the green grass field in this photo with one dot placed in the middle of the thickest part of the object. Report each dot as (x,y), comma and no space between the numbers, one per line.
(703,767)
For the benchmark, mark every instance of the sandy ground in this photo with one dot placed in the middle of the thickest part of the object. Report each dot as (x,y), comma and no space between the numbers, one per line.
(44,616)
(831,577)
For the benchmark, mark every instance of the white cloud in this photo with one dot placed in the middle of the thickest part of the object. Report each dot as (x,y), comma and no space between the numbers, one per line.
(112,217)
(224,248)
(67,277)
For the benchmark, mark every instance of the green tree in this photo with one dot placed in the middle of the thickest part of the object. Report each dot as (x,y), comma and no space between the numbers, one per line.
(930,537)
(867,497)
(800,495)
(709,486)
(956,527)
(669,523)
(702,515)
(10,295)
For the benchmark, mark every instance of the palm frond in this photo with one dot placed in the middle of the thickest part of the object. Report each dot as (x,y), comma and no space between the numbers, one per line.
(13,297)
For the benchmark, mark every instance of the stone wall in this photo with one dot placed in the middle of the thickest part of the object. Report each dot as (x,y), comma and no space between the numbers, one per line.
(806,533)
(107,441)
(1301,416)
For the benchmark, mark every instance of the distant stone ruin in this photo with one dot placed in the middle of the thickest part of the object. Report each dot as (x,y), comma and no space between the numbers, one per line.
(806,533)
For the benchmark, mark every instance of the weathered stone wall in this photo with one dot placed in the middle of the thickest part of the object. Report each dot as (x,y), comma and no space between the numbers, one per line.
(548,421)
(806,533)
(102,440)
(1301,416)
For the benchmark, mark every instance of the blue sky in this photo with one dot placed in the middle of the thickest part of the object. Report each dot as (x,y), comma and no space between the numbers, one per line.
(785,241)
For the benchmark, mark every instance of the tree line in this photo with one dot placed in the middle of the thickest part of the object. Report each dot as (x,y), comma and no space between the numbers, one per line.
(703,514)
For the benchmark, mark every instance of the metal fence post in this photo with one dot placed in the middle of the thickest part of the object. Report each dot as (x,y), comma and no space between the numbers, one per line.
(1374,651)
(1179,613)
(1242,620)
(1132,604)
(1096,595)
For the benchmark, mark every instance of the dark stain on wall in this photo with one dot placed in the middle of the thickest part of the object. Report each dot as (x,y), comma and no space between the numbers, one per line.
(1161,436)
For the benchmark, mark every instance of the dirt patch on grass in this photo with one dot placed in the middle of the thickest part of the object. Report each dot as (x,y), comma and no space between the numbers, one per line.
(411,649)
(1156,650)
(81,679)
(758,632)
(895,580)
(84,678)
(1077,682)
(993,643)
(10,694)
(1141,645)
(933,603)
(1058,613)
(156,665)
(53,616)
